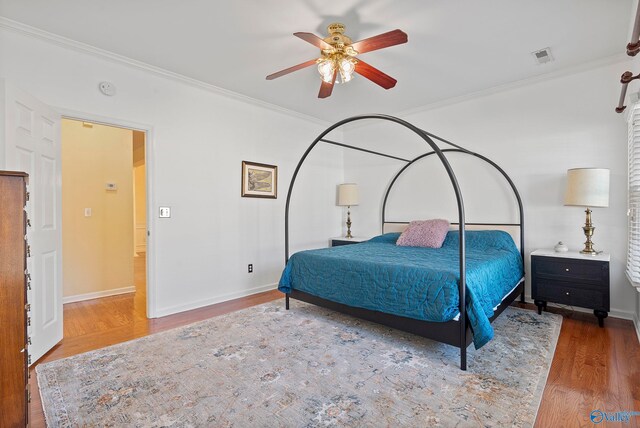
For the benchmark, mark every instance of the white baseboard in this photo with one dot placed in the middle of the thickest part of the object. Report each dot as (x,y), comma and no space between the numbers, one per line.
(98,294)
(636,323)
(212,301)
(614,313)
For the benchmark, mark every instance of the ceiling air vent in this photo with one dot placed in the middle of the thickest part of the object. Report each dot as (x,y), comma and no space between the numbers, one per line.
(543,55)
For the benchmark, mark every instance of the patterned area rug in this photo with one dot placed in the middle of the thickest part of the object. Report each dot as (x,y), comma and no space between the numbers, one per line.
(307,367)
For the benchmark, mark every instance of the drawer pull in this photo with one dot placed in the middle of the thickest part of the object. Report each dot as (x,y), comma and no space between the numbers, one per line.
(567,293)
(567,269)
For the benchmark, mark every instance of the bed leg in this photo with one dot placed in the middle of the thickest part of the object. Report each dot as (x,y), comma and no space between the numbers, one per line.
(286,301)
(463,358)
(522,296)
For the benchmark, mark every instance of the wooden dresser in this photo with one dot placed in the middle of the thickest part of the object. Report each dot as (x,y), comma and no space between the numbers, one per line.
(14,373)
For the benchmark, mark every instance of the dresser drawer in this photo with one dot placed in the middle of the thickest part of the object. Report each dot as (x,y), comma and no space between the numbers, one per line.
(568,293)
(571,269)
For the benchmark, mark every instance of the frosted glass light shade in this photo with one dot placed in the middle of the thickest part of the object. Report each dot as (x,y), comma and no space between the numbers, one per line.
(587,187)
(348,194)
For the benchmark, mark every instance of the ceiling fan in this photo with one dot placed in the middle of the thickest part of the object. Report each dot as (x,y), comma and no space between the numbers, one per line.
(338,58)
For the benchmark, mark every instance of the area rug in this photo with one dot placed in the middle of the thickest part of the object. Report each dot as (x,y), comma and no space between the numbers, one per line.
(307,367)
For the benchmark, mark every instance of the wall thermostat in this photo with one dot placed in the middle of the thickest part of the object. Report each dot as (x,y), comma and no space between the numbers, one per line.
(107,88)
(111,186)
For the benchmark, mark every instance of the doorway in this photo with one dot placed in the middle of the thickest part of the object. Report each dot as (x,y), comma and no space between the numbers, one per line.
(104,216)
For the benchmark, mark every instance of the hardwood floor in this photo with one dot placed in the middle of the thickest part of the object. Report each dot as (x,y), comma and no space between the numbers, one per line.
(593,368)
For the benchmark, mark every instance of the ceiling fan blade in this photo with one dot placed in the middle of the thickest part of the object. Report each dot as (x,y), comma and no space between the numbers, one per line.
(375,75)
(314,40)
(327,88)
(392,38)
(291,69)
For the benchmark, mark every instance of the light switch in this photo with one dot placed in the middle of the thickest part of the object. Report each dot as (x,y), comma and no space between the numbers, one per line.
(87,212)
(165,212)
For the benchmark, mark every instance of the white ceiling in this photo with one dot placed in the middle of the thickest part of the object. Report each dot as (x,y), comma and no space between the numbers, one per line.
(455,47)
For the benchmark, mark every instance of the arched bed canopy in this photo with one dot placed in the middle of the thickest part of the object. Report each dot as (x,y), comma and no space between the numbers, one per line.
(453,332)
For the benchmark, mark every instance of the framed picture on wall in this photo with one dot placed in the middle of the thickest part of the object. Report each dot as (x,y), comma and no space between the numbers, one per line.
(259,180)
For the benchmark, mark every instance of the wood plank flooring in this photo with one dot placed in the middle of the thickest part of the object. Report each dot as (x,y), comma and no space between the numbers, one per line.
(593,368)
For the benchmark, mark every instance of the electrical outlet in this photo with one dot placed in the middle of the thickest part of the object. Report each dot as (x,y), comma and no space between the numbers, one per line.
(250,268)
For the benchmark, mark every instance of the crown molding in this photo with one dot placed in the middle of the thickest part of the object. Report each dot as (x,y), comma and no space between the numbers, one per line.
(27,30)
(590,65)
(601,62)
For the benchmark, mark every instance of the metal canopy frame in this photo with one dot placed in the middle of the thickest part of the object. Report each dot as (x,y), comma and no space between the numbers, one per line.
(463,339)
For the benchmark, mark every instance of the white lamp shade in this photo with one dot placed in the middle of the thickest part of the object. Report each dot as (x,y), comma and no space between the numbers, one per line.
(348,194)
(587,187)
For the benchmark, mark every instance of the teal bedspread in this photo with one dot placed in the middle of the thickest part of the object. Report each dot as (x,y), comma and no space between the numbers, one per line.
(420,283)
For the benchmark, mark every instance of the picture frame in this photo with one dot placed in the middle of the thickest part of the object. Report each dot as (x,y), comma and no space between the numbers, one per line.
(259,180)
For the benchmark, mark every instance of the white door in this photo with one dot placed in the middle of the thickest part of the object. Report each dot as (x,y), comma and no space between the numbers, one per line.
(32,144)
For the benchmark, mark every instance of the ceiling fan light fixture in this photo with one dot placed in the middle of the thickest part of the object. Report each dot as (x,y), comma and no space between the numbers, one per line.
(337,62)
(326,67)
(347,67)
(344,64)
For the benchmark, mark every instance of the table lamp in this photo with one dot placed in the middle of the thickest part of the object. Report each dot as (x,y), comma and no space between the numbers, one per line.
(348,196)
(587,187)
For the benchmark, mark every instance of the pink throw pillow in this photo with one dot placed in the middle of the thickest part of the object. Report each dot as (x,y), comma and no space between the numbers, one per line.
(424,233)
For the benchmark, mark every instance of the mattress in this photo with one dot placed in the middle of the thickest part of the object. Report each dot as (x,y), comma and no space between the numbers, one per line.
(413,282)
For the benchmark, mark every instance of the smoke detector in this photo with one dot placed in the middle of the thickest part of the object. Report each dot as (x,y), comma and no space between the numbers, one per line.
(543,56)
(107,88)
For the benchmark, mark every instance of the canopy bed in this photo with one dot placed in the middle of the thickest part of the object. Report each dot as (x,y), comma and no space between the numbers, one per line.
(449,294)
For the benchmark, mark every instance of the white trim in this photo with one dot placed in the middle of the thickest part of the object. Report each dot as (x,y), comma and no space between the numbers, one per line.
(636,323)
(634,284)
(613,313)
(150,173)
(141,248)
(98,294)
(601,62)
(65,42)
(212,301)
(609,60)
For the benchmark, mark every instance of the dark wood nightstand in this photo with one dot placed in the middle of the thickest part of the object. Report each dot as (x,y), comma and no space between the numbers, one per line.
(336,242)
(572,279)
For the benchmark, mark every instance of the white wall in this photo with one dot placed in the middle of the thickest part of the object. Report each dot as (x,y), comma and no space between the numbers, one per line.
(97,249)
(535,132)
(199,139)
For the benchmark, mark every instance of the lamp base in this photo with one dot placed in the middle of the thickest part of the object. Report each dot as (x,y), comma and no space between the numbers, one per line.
(349,222)
(588,232)
(590,253)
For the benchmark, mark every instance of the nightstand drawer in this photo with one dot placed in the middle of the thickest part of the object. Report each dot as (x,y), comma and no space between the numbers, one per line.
(337,242)
(567,293)
(571,269)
